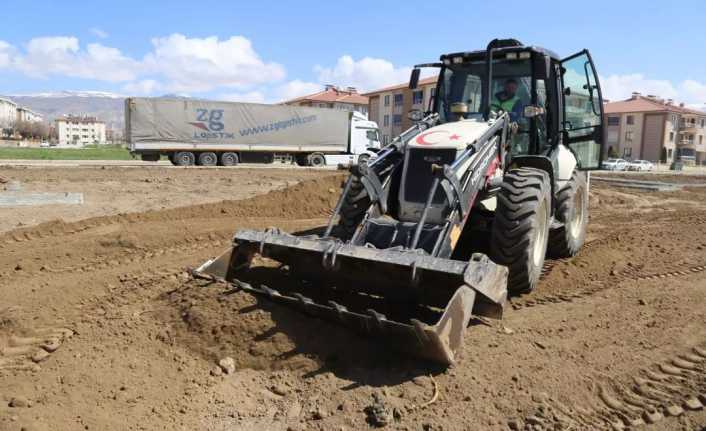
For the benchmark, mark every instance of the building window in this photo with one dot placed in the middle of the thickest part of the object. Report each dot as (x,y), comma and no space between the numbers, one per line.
(669,153)
(397,119)
(417,97)
(385,139)
(671,136)
(631,119)
(703,122)
(386,120)
(627,152)
(387,100)
(701,140)
(628,135)
(399,99)
(613,121)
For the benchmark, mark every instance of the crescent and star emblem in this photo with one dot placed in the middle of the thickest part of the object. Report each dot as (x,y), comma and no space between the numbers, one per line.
(422,139)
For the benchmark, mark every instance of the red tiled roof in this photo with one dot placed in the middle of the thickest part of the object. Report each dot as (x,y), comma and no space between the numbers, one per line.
(332,95)
(644,104)
(425,81)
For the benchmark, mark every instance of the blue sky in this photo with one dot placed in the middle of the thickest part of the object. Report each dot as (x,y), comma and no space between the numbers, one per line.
(266,51)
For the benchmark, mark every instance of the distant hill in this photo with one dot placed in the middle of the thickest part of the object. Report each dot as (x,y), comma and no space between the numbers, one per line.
(108,107)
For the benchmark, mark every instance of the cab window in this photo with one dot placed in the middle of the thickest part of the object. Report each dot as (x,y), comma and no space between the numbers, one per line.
(583,121)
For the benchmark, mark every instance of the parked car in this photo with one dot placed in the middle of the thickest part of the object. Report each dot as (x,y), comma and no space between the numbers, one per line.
(640,165)
(44,144)
(615,164)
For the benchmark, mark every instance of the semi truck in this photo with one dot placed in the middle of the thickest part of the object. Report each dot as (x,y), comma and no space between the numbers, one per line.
(210,133)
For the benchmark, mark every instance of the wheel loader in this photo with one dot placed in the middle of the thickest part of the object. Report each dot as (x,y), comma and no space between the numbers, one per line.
(455,212)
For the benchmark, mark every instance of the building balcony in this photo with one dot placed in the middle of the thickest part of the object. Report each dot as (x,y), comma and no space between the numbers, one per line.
(686,143)
(688,127)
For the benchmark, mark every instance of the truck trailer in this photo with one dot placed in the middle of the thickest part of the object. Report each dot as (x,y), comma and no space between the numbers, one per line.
(210,133)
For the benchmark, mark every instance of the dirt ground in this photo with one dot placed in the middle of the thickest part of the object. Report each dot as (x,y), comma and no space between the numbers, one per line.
(101,327)
(110,190)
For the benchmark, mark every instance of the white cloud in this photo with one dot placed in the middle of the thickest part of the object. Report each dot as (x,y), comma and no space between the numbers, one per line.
(202,64)
(694,94)
(365,74)
(62,55)
(249,97)
(175,64)
(101,34)
(619,87)
(6,54)
(296,88)
(143,87)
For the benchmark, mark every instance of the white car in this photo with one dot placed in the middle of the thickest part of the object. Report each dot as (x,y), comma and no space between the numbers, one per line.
(640,165)
(44,144)
(615,164)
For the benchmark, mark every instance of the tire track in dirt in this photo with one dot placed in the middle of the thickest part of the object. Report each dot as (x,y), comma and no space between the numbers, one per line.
(666,389)
(23,348)
(583,291)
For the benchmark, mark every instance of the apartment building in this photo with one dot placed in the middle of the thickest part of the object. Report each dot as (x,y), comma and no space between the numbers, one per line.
(25,114)
(8,113)
(334,97)
(78,131)
(389,106)
(651,128)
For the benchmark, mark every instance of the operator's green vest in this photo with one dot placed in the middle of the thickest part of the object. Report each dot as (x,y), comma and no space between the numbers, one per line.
(505,105)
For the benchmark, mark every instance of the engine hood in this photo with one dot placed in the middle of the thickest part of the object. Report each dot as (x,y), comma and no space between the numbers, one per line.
(456,135)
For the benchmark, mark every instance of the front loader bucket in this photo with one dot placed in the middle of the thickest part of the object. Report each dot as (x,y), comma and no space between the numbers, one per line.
(452,290)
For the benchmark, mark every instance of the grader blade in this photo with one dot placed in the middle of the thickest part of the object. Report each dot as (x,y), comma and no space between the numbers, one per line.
(444,293)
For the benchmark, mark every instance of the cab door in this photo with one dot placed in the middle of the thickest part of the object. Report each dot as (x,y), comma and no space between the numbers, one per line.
(582,122)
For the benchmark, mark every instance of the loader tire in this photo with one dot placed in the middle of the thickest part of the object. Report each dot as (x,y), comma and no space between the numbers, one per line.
(521,227)
(353,209)
(572,211)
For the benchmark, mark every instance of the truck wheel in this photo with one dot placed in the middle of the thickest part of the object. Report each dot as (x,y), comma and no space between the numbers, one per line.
(353,209)
(184,158)
(317,160)
(229,159)
(208,159)
(572,211)
(521,226)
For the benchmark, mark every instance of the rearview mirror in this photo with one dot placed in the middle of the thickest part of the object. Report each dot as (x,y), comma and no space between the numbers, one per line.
(415,115)
(414,78)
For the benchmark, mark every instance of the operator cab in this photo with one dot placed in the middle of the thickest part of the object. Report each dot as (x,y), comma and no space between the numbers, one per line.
(555,100)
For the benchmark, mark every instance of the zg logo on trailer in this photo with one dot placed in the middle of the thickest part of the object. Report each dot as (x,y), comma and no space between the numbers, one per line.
(211,122)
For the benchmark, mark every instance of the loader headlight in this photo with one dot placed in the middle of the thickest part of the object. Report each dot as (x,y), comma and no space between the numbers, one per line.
(458,60)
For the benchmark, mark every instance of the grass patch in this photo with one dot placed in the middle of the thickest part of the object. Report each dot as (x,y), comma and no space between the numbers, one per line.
(103,152)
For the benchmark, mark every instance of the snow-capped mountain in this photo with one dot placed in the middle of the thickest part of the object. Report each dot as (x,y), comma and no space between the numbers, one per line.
(108,107)
(68,93)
